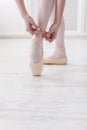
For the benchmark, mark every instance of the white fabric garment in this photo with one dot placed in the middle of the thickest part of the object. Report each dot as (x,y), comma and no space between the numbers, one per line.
(44,14)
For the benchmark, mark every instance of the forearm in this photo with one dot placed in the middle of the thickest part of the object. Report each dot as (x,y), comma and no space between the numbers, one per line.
(59,9)
(21,6)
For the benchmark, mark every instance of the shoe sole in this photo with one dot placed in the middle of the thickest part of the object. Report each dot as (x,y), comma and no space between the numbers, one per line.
(55,62)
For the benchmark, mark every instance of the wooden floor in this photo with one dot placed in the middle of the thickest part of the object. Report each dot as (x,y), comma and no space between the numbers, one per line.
(55,101)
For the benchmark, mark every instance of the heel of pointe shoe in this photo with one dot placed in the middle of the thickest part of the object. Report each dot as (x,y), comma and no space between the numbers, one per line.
(36,69)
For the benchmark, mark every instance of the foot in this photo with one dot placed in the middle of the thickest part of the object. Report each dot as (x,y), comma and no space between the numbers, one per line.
(36,57)
(58,58)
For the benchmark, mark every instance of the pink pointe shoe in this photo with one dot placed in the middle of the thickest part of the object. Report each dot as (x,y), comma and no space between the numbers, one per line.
(58,58)
(36,58)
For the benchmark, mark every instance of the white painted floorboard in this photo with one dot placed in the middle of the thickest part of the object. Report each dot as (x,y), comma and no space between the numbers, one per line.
(55,101)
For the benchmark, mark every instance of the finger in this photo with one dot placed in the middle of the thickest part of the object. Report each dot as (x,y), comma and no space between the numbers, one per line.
(53,29)
(34,31)
(52,37)
(34,25)
(47,37)
(48,34)
(37,31)
(29,30)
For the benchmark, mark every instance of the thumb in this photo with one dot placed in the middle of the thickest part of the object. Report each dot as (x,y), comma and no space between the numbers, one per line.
(34,25)
(53,28)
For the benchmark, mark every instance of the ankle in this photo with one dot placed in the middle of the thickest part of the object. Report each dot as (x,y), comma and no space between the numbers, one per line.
(38,39)
(38,36)
(59,53)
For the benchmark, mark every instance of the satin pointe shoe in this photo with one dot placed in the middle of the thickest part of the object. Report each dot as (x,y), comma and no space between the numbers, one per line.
(58,58)
(36,57)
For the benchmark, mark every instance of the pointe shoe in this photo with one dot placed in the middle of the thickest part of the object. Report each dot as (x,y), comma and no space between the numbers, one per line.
(56,59)
(36,65)
(36,69)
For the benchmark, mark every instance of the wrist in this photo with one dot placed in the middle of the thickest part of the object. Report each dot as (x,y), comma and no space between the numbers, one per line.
(57,21)
(25,16)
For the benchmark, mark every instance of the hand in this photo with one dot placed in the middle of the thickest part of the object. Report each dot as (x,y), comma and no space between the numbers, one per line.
(31,26)
(52,33)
